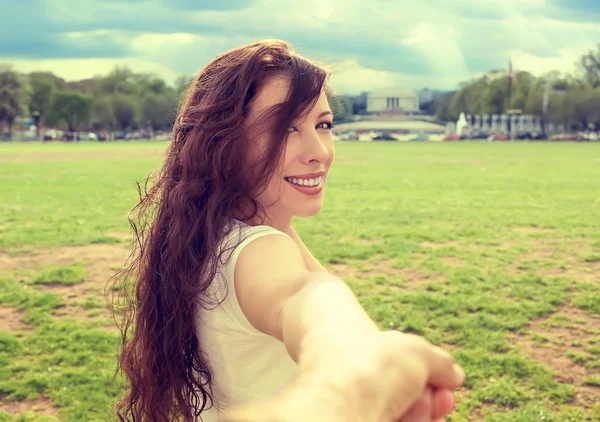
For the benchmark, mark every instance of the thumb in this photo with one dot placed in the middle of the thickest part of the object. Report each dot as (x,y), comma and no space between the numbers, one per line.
(444,373)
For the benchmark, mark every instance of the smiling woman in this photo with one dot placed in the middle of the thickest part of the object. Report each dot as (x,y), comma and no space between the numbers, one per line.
(228,306)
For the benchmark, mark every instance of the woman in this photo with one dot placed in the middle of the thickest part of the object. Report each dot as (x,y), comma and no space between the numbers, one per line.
(229,307)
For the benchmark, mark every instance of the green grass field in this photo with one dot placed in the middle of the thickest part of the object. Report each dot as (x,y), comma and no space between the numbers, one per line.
(489,249)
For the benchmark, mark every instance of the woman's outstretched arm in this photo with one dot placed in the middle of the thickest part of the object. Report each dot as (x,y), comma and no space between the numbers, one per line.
(331,337)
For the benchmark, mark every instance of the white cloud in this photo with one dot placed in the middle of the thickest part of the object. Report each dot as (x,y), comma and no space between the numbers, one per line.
(352,78)
(564,61)
(184,51)
(375,43)
(75,69)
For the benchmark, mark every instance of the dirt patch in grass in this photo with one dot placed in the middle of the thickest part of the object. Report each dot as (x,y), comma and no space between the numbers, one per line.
(440,245)
(100,262)
(586,274)
(453,261)
(546,259)
(554,257)
(411,276)
(12,319)
(414,278)
(509,245)
(559,335)
(41,406)
(343,271)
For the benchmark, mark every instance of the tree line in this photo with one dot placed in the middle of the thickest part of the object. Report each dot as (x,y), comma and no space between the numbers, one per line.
(119,101)
(572,100)
(123,100)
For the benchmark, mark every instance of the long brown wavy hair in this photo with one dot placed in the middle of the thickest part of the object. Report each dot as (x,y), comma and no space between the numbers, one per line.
(184,210)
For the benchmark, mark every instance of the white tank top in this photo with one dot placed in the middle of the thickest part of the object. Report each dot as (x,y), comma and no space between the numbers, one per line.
(246,365)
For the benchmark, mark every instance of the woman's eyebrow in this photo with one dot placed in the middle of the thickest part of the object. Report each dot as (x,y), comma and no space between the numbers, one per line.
(325,113)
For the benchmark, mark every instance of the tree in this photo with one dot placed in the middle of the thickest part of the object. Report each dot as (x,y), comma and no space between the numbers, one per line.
(182,83)
(102,114)
(124,108)
(589,68)
(71,107)
(442,108)
(494,97)
(58,83)
(582,105)
(120,80)
(469,99)
(14,96)
(341,108)
(42,89)
(156,109)
(150,84)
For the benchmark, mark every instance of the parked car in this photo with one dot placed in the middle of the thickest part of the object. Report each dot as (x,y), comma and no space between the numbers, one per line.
(532,136)
(479,135)
(452,138)
(419,137)
(88,136)
(385,137)
(499,137)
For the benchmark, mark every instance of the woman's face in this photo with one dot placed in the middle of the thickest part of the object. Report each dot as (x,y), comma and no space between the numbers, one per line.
(296,189)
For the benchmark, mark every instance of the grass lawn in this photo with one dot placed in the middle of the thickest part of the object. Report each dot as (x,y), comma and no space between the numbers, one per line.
(489,249)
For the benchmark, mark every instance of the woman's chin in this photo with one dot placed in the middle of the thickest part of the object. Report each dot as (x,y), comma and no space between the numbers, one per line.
(308,211)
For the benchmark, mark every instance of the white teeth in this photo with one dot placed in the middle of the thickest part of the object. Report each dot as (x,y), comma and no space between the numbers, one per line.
(305,182)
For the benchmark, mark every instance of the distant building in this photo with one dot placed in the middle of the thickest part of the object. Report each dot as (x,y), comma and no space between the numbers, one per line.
(394,101)
(357,103)
(425,96)
(428,95)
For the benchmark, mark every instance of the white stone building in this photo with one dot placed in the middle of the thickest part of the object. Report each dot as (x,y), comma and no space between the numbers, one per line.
(400,101)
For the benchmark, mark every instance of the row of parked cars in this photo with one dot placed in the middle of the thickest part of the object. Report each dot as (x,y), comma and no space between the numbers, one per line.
(56,135)
(525,136)
(476,135)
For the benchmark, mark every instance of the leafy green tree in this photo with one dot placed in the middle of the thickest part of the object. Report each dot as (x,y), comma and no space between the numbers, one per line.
(589,67)
(42,89)
(124,110)
(493,97)
(341,108)
(102,114)
(442,108)
(158,110)
(14,97)
(120,80)
(72,108)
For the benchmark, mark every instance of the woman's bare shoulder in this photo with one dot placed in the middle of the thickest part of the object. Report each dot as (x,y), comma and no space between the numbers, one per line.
(268,271)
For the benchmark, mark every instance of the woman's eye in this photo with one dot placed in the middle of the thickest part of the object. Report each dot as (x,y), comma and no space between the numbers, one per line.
(325,125)
(292,129)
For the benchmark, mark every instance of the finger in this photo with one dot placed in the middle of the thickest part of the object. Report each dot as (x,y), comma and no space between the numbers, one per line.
(422,409)
(443,403)
(444,373)
(439,364)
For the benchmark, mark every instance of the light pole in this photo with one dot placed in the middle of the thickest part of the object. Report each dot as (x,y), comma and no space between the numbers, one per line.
(36,122)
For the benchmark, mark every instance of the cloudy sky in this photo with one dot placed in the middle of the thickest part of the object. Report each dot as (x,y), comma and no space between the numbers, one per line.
(371,44)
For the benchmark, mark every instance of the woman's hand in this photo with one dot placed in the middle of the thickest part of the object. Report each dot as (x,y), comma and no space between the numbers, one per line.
(384,377)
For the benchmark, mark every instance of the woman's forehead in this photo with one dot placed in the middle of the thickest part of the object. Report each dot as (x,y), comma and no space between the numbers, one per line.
(273,92)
